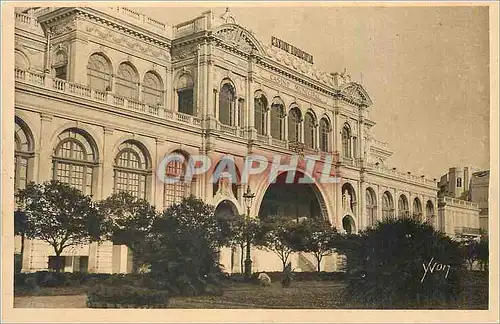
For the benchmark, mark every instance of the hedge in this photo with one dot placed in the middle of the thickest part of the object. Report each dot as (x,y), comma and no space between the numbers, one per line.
(103,296)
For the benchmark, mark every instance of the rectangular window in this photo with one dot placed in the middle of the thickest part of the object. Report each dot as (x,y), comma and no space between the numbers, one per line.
(61,72)
(185,101)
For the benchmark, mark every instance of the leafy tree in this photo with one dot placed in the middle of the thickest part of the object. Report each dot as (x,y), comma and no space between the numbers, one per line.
(316,236)
(238,231)
(60,215)
(469,251)
(277,235)
(185,240)
(386,264)
(482,250)
(129,221)
(20,223)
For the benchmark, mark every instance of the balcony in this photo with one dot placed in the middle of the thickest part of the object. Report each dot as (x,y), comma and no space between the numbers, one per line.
(392,173)
(46,81)
(460,202)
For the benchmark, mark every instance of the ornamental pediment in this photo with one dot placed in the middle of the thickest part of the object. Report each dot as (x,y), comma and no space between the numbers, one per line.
(357,92)
(239,38)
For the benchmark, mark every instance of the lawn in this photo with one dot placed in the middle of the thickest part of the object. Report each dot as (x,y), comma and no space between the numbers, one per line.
(302,294)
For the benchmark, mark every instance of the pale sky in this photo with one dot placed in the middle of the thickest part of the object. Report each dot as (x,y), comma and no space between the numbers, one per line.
(426,70)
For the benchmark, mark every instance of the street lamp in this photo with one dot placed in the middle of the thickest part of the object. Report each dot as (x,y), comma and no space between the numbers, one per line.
(248,197)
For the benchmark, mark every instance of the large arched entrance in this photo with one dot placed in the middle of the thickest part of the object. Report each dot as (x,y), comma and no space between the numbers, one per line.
(292,199)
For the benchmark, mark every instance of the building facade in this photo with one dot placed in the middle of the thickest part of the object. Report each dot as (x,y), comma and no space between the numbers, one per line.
(479,194)
(103,95)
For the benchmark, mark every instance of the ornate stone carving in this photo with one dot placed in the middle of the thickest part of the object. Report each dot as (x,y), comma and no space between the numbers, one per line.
(184,52)
(63,27)
(236,37)
(127,41)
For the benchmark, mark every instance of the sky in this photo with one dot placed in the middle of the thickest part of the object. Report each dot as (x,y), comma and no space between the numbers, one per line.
(425,68)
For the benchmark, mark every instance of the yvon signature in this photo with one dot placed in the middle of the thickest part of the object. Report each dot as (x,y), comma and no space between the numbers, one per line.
(435,267)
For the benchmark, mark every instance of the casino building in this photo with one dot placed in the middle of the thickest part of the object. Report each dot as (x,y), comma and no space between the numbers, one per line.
(103,95)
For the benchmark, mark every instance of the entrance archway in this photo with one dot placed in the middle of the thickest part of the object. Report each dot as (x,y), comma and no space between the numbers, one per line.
(224,213)
(348,224)
(292,199)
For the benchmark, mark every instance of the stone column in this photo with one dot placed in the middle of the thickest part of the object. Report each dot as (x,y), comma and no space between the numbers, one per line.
(106,182)
(78,58)
(158,184)
(45,165)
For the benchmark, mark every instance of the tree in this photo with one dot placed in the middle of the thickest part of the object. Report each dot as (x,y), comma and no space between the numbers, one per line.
(400,262)
(316,236)
(185,240)
(20,223)
(483,253)
(277,235)
(238,231)
(60,215)
(128,221)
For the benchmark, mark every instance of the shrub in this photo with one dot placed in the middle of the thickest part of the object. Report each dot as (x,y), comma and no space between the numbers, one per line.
(102,296)
(385,265)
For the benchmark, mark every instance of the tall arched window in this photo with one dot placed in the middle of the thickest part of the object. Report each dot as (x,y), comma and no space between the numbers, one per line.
(310,130)
(294,120)
(324,130)
(21,61)
(131,169)
(260,115)
(371,207)
(387,205)
(429,212)
(402,206)
(127,81)
(174,192)
(185,94)
(23,151)
(459,182)
(152,89)
(417,209)
(227,102)
(277,119)
(99,72)
(346,141)
(74,160)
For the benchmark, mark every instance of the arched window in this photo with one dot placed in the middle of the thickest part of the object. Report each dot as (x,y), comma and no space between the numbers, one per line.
(152,89)
(185,95)
(277,119)
(127,81)
(324,130)
(387,206)
(174,192)
(131,169)
(294,119)
(21,61)
(417,209)
(99,72)
(402,206)
(23,151)
(260,116)
(74,160)
(429,212)
(346,141)
(60,65)
(227,102)
(459,182)
(371,207)
(310,131)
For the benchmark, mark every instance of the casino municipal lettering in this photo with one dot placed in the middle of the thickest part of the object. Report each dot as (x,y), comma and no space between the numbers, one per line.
(103,94)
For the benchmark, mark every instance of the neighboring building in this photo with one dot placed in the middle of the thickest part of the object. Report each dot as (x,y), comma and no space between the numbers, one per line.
(458,218)
(102,95)
(456,182)
(479,194)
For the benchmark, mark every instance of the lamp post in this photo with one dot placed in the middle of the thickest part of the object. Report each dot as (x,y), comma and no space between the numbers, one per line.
(248,197)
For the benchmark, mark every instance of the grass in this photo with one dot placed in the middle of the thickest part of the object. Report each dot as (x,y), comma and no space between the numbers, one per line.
(301,295)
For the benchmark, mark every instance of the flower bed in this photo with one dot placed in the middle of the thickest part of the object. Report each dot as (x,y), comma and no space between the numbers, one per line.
(102,296)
